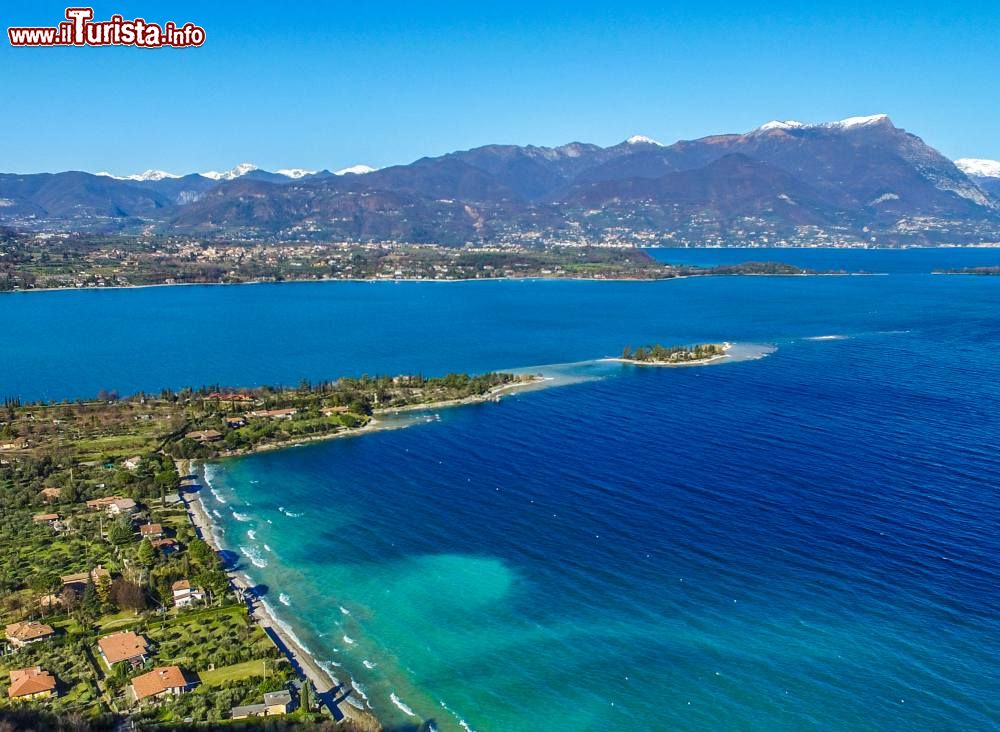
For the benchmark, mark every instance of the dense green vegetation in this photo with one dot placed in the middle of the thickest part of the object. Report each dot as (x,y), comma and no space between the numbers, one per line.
(55,457)
(674,354)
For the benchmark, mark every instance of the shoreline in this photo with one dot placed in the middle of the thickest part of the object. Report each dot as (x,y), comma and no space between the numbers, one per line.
(726,346)
(669,364)
(397,280)
(333,692)
(375,425)
(493,395)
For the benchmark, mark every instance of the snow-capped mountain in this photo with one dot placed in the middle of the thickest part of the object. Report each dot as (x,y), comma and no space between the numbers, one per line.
(859,177)
(777,124)
(295,173)
(354,170)
(642,140)
(979,168)
(144,175)
(844,124)
(240,170)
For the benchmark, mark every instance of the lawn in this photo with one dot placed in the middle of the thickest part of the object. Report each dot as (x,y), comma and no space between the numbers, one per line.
(236,672)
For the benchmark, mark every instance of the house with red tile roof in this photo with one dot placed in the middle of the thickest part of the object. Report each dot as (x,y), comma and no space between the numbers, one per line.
(31,683)
(160,682)
(125,646)
(29,631)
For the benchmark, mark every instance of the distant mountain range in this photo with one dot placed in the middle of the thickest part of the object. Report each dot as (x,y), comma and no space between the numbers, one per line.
(861,179)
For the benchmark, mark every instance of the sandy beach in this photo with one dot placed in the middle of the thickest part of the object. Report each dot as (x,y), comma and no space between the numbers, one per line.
(332,691)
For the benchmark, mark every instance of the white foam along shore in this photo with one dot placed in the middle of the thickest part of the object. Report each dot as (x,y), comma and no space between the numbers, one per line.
(325,683)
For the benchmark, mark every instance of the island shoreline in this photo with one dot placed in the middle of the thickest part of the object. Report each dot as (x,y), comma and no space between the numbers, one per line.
(726,347)
(398,280)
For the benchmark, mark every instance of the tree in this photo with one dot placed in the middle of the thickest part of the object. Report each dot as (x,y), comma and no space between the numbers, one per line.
(90,605)
(128,595)
(69,599)
(120,531)
(201,553)
(43,582)
(70,492)
(306,695)
(103,589)
(214,580)
(146,555)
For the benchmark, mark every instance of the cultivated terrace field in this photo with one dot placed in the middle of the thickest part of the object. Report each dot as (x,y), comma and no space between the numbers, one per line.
(96,541)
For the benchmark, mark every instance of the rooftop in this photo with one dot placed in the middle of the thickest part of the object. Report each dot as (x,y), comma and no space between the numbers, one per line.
(28,631)
(157,681)
(28,681)
(94,575)
(122,646)
(272,698)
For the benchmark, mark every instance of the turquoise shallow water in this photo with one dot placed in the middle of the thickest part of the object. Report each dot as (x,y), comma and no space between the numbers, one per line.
(805,541)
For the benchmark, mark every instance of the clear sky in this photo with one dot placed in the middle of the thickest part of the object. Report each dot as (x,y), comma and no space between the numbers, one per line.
(327,85)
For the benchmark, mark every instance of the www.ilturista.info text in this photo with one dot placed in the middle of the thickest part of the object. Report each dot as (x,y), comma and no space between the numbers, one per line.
(79,29)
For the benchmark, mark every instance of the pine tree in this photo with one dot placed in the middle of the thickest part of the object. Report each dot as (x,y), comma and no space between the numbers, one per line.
(146,555)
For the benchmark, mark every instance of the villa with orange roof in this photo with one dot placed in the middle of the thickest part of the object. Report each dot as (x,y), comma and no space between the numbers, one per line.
(31,683)
(125,646)
(27,632)
(160,682)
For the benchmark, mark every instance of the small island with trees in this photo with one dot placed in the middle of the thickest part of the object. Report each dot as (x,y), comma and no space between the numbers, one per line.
(658,355)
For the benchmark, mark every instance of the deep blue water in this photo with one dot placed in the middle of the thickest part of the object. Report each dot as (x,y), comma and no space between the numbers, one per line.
(75,343)
(808,541)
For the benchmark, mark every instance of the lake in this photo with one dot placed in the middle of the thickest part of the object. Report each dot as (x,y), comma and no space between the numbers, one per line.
(803,541)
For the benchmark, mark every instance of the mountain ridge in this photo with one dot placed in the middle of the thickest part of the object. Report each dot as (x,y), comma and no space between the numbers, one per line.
(860,179)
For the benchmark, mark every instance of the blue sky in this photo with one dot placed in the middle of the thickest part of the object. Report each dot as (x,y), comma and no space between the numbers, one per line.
(326,85)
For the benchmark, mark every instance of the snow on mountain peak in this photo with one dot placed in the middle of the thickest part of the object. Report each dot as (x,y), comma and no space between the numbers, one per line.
(642,140)
(239,170)
(356,170)
(777,124)
(144,175)
(872,119)
(844,124)
(295,172)
(979,168)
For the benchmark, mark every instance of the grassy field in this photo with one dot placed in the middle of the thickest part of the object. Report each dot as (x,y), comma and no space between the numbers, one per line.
(235,672)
